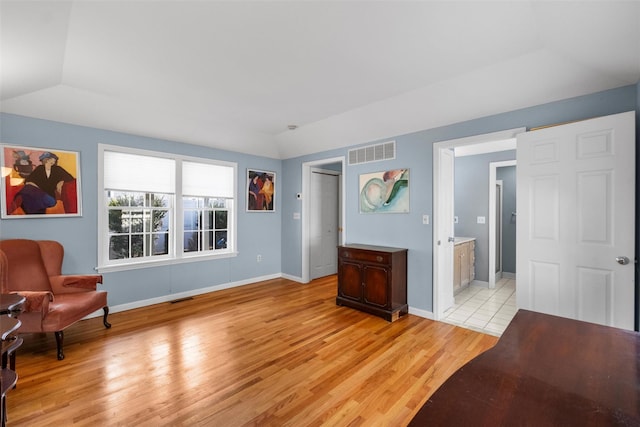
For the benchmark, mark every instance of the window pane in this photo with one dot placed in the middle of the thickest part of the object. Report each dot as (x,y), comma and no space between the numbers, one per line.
(136,222)
(159,200)
(117,198)
(137,245)
(221,240)
(137,199)
(208,241)
(160,243)
(221,219)
(190,241)
(161,220)
(191,220)
(208,222)
(115,221)
(190,202)
(119,247)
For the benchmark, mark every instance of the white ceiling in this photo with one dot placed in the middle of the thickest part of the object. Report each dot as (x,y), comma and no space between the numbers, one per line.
(234,75)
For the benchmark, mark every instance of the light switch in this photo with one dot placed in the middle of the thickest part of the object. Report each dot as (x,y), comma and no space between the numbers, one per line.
(425,219)
(481,220)
(455,219)
(296,215)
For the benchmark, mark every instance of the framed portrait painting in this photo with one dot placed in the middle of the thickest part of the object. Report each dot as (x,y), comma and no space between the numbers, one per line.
(384,192)
(39,182)
(261,191)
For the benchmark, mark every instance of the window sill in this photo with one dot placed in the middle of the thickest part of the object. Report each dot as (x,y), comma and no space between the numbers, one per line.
(163,262)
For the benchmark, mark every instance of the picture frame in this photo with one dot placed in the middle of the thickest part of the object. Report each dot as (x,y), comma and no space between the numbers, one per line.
(39,182)
(384,192)
(261,191)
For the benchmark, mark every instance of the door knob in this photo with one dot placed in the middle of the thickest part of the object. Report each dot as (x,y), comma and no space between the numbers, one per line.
(622,260)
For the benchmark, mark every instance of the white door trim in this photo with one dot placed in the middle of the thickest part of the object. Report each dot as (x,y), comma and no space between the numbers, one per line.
(489,137)
(493,166)
(306,188)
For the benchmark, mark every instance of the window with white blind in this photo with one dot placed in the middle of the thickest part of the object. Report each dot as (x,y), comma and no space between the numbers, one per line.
(161,208)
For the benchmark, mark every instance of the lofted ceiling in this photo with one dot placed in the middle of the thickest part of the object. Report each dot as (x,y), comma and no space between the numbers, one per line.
(234,74)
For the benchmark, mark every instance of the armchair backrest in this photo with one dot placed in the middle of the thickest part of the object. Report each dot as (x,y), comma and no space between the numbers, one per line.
(25,266)
(52,255)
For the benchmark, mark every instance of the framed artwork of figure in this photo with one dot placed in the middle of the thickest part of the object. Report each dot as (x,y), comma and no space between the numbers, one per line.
(39,182)
(261,191)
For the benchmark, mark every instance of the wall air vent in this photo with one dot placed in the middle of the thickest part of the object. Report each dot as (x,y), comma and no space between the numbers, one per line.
(373,153)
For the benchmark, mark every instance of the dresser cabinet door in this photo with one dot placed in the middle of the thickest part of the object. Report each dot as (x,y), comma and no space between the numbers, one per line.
(376,280)
(350,280)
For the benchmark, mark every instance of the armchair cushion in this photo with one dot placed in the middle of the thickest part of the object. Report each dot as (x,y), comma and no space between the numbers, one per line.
(67,309)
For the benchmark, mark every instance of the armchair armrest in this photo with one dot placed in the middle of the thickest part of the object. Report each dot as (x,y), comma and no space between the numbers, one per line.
(65,284)
(35,301)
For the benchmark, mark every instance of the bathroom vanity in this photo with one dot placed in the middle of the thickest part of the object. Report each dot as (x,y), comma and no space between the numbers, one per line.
(464,259)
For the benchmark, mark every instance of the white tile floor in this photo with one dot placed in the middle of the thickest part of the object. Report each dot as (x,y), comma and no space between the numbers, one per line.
(485,310)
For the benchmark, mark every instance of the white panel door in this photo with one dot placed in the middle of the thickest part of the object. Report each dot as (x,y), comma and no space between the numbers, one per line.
(576,215)
(445,229)
(323,225)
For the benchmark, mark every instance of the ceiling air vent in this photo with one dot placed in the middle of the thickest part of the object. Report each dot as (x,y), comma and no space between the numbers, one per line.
(373,153)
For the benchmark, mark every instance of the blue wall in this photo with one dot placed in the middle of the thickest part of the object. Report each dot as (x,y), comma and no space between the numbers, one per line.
(415,151)
(259,233)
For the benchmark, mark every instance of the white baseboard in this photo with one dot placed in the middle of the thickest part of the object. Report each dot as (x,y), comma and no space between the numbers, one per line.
(422,313)
(294,278)
(179,295)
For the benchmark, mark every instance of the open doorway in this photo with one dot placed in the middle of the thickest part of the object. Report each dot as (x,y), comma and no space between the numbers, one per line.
(322,215)
(444,239)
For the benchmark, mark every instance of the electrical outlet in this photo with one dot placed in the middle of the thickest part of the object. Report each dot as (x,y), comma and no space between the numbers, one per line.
(259,258)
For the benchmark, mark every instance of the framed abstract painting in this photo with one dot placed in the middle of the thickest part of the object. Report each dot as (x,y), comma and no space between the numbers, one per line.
(384,192)
(39,182)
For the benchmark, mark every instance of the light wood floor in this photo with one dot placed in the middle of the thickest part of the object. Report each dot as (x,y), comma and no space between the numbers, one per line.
(274,353)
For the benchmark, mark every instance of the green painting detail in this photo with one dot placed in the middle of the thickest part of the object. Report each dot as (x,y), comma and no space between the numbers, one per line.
(385,192)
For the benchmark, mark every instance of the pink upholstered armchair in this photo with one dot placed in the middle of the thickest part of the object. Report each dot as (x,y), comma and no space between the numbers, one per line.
(32,268)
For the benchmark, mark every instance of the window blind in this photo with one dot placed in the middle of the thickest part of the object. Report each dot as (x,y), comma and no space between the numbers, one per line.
(203,179)
(132,172)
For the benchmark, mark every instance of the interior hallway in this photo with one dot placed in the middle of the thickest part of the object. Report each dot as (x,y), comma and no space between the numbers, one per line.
(482,309)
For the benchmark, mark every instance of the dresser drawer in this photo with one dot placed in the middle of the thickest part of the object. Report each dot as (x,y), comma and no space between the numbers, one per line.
(368,256)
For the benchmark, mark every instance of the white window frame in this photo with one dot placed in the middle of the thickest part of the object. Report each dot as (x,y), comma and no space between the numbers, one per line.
(176,250)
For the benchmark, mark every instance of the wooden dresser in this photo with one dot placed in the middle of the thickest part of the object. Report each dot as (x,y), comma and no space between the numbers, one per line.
(373,279)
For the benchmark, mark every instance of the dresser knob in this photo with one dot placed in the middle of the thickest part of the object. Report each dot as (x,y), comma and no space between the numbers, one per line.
(379,258)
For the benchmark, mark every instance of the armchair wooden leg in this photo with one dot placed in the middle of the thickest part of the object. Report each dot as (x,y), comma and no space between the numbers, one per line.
(104,318)
(59,340)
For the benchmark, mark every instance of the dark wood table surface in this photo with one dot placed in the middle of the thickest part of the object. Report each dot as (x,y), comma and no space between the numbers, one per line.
(544,371)
(10,302)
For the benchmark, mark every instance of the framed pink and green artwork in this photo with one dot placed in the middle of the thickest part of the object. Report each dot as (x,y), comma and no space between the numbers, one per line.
(39,182)
(384,192)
